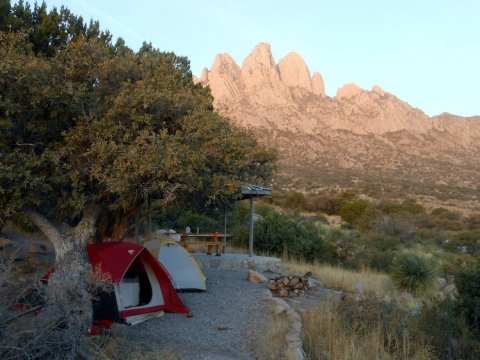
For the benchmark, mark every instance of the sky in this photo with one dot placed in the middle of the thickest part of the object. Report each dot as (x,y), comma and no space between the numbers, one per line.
(426,52)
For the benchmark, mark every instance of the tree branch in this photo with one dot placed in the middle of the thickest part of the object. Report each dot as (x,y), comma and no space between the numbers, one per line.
(48,229)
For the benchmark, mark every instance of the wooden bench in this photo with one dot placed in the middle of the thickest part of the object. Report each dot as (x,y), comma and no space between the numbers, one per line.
(211,240)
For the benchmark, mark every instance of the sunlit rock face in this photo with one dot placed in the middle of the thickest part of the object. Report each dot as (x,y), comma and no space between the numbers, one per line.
(356,129)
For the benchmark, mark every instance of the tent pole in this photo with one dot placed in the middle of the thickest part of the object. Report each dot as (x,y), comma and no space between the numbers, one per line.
(250,237)
(148,230)
(224,228)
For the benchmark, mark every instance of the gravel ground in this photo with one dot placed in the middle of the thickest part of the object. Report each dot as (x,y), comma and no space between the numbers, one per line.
(230,301)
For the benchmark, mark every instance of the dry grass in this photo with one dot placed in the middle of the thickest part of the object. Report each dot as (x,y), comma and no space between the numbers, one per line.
(339,278)
(271,344)
(363,336)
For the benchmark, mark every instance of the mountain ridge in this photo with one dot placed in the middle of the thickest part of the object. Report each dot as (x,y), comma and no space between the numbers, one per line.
(360,131)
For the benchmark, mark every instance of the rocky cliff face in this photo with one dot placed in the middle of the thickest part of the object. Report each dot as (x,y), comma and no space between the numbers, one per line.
(362,135)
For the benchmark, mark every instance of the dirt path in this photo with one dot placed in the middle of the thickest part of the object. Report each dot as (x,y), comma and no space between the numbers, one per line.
(226,322)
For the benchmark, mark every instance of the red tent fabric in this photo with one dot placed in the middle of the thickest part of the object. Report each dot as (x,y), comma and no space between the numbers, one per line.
(116,258)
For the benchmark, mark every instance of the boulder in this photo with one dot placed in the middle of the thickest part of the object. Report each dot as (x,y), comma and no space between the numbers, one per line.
(256,277)
(279,310)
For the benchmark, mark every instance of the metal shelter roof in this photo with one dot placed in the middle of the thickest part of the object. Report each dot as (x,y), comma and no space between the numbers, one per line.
(252,190)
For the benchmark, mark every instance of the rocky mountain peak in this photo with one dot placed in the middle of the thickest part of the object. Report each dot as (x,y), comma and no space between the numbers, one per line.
(294,72)
(261,55)
(378,90)
(348,91)
(204,77)
(318,87)
(364,134)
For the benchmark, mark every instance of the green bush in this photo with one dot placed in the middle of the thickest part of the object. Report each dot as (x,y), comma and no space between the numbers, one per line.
(468,285)
(296,201)
(353,210)
(446,332)
(413,273)
(278,233)
(195,220)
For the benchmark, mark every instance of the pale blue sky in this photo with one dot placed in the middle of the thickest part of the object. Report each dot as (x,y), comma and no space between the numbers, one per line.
(427,52)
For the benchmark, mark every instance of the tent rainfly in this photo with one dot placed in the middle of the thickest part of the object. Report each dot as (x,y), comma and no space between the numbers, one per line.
(181,265)
(142,287)
(252,191)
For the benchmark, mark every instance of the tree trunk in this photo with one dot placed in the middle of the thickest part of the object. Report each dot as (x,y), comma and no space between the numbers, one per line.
(68,312)
(114,224)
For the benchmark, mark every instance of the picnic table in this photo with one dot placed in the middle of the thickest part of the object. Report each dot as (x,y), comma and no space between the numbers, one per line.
(209,239)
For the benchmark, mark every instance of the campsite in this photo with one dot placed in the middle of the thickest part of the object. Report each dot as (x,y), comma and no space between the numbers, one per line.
(171,188)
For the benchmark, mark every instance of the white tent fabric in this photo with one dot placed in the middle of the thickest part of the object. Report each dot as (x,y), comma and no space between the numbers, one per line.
(181,265)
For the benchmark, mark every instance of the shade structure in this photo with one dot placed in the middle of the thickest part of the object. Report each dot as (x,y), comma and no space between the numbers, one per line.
(251,191)
(181,265)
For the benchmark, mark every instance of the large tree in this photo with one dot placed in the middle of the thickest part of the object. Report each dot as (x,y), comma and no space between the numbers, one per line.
(89,130)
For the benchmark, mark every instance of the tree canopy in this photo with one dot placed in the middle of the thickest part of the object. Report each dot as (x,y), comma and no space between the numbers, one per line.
(88,123)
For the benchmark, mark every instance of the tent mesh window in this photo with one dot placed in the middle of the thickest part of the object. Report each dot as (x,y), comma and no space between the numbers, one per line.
(136,274)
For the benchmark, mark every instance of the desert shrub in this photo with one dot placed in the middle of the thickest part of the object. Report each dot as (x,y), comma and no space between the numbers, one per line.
(447,333)
(321,203)
(353,210)
(296,201)
(349,249)
(473,222)
(278,233)
(468,285)
(195,220)
(411,206)
(389,207)
(238,224)
(367,220)
(341,199)
(452,263)
(445,219)
(393,227)
(413,272)
(468,238)
(445,213)
(381,260)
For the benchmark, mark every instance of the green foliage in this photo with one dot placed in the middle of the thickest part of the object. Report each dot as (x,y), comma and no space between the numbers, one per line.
(411,206)
(296,201)
(278,233)
(446,332)
(352,211)
(413,273)
(468,285)
(84,122)
(341,199)
(195,220)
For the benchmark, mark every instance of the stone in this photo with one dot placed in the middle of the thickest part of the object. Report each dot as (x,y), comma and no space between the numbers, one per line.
(294,72)
(314,283)
(279,310)
(296,325)
(348,91)
(358,291)
(280,302)
(450,289)
(222,327)
(297,354)
(357,288)
(441,283)
(292,336)
(378,90)
(256,277)
(407,301)
(318,87)
(322,129)
(292,315)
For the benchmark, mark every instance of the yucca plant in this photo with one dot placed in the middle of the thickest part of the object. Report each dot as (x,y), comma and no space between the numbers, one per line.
(412,272)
